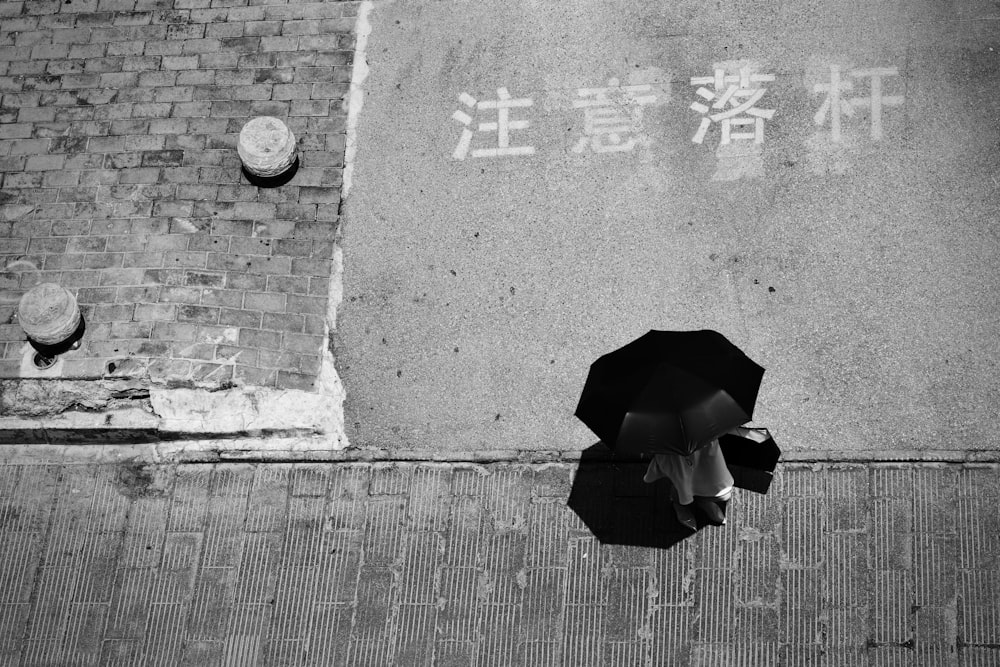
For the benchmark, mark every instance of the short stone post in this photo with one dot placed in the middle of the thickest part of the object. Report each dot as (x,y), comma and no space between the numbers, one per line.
(50,317)
(267,148)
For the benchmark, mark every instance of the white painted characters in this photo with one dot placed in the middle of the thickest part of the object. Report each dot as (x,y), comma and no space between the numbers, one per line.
(612,117)
(835,105)
(616,116)
(503,125)
(737,92)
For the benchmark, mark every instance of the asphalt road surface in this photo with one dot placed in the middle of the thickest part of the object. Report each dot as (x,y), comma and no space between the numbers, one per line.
(539,183)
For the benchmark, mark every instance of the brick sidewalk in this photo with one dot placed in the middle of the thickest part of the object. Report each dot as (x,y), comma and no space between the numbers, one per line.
(119,180)
(381,564)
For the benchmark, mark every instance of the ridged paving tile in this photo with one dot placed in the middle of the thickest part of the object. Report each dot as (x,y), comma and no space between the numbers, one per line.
(257,574)
(267,508)
(500,642)
(415,627)
(249,564)
(583,640)
(670,637)
(754,624)
(430,498)
(212,604)
(292,602)
(891,542)
(224,532)
(14,621)
(674,572)
(371,637)
(935,575)
(585,567)
(934,500)
(144,534)
(338,566)
(20,557)
(130,604)
(541,653)
(29,508)
(348,494)
(9,476)
(385,533)
(714,605)
(309,479)
(305,525)
(329,636)
(893,600)
(845,571)
(84,633)
(801,532)
(419,579)
(757,561)
(390,479)
(189,500)
(801,606)
(506,494)
(626,608)
(165,634)
(463,538)
(504,569)
(846,499)
(460,595)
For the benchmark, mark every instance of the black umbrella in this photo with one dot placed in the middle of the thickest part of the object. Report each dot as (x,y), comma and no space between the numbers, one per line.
(669,391)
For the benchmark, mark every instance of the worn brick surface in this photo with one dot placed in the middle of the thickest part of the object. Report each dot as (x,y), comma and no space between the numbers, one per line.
(439,564)
(119,180)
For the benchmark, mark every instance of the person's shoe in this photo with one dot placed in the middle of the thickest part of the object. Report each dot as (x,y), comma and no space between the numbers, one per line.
(686,516)
(715,514)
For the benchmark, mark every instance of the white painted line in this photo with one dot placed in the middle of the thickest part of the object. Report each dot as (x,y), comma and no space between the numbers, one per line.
(328,383)
(356,96)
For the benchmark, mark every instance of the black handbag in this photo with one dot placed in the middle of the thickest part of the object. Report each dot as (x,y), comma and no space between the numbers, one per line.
(751,458)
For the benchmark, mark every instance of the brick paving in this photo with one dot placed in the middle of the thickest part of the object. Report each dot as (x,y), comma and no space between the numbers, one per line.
(119,179)
(881,565)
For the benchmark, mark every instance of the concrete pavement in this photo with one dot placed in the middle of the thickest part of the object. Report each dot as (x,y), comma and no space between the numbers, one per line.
(838,222)
(440,564)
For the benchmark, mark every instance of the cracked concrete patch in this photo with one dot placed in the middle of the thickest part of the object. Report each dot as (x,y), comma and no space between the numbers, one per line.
(31,398)
(123,411)
(249,411)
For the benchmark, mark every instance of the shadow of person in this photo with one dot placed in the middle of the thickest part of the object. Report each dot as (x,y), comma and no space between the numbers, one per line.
(611,499)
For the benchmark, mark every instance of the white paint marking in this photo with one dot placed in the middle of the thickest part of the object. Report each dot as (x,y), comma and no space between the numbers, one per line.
(463,145)
(607,118)
(498,152)
(836,106)
(734,91)
(502,126)
(328,382)
(356,96)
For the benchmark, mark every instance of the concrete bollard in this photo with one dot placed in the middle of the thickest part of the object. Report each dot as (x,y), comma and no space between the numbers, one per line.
(50,317)
(266,147)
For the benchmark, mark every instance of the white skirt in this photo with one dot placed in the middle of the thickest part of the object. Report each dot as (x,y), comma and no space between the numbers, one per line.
(703,473)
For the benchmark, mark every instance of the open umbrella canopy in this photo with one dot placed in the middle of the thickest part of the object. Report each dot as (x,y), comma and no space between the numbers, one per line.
(669,391)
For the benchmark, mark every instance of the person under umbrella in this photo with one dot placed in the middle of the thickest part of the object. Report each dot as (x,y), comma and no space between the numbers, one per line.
(699,480)
(673,394)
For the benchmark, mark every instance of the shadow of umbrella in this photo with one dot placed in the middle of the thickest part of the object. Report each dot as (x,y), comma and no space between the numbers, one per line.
(615,504)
